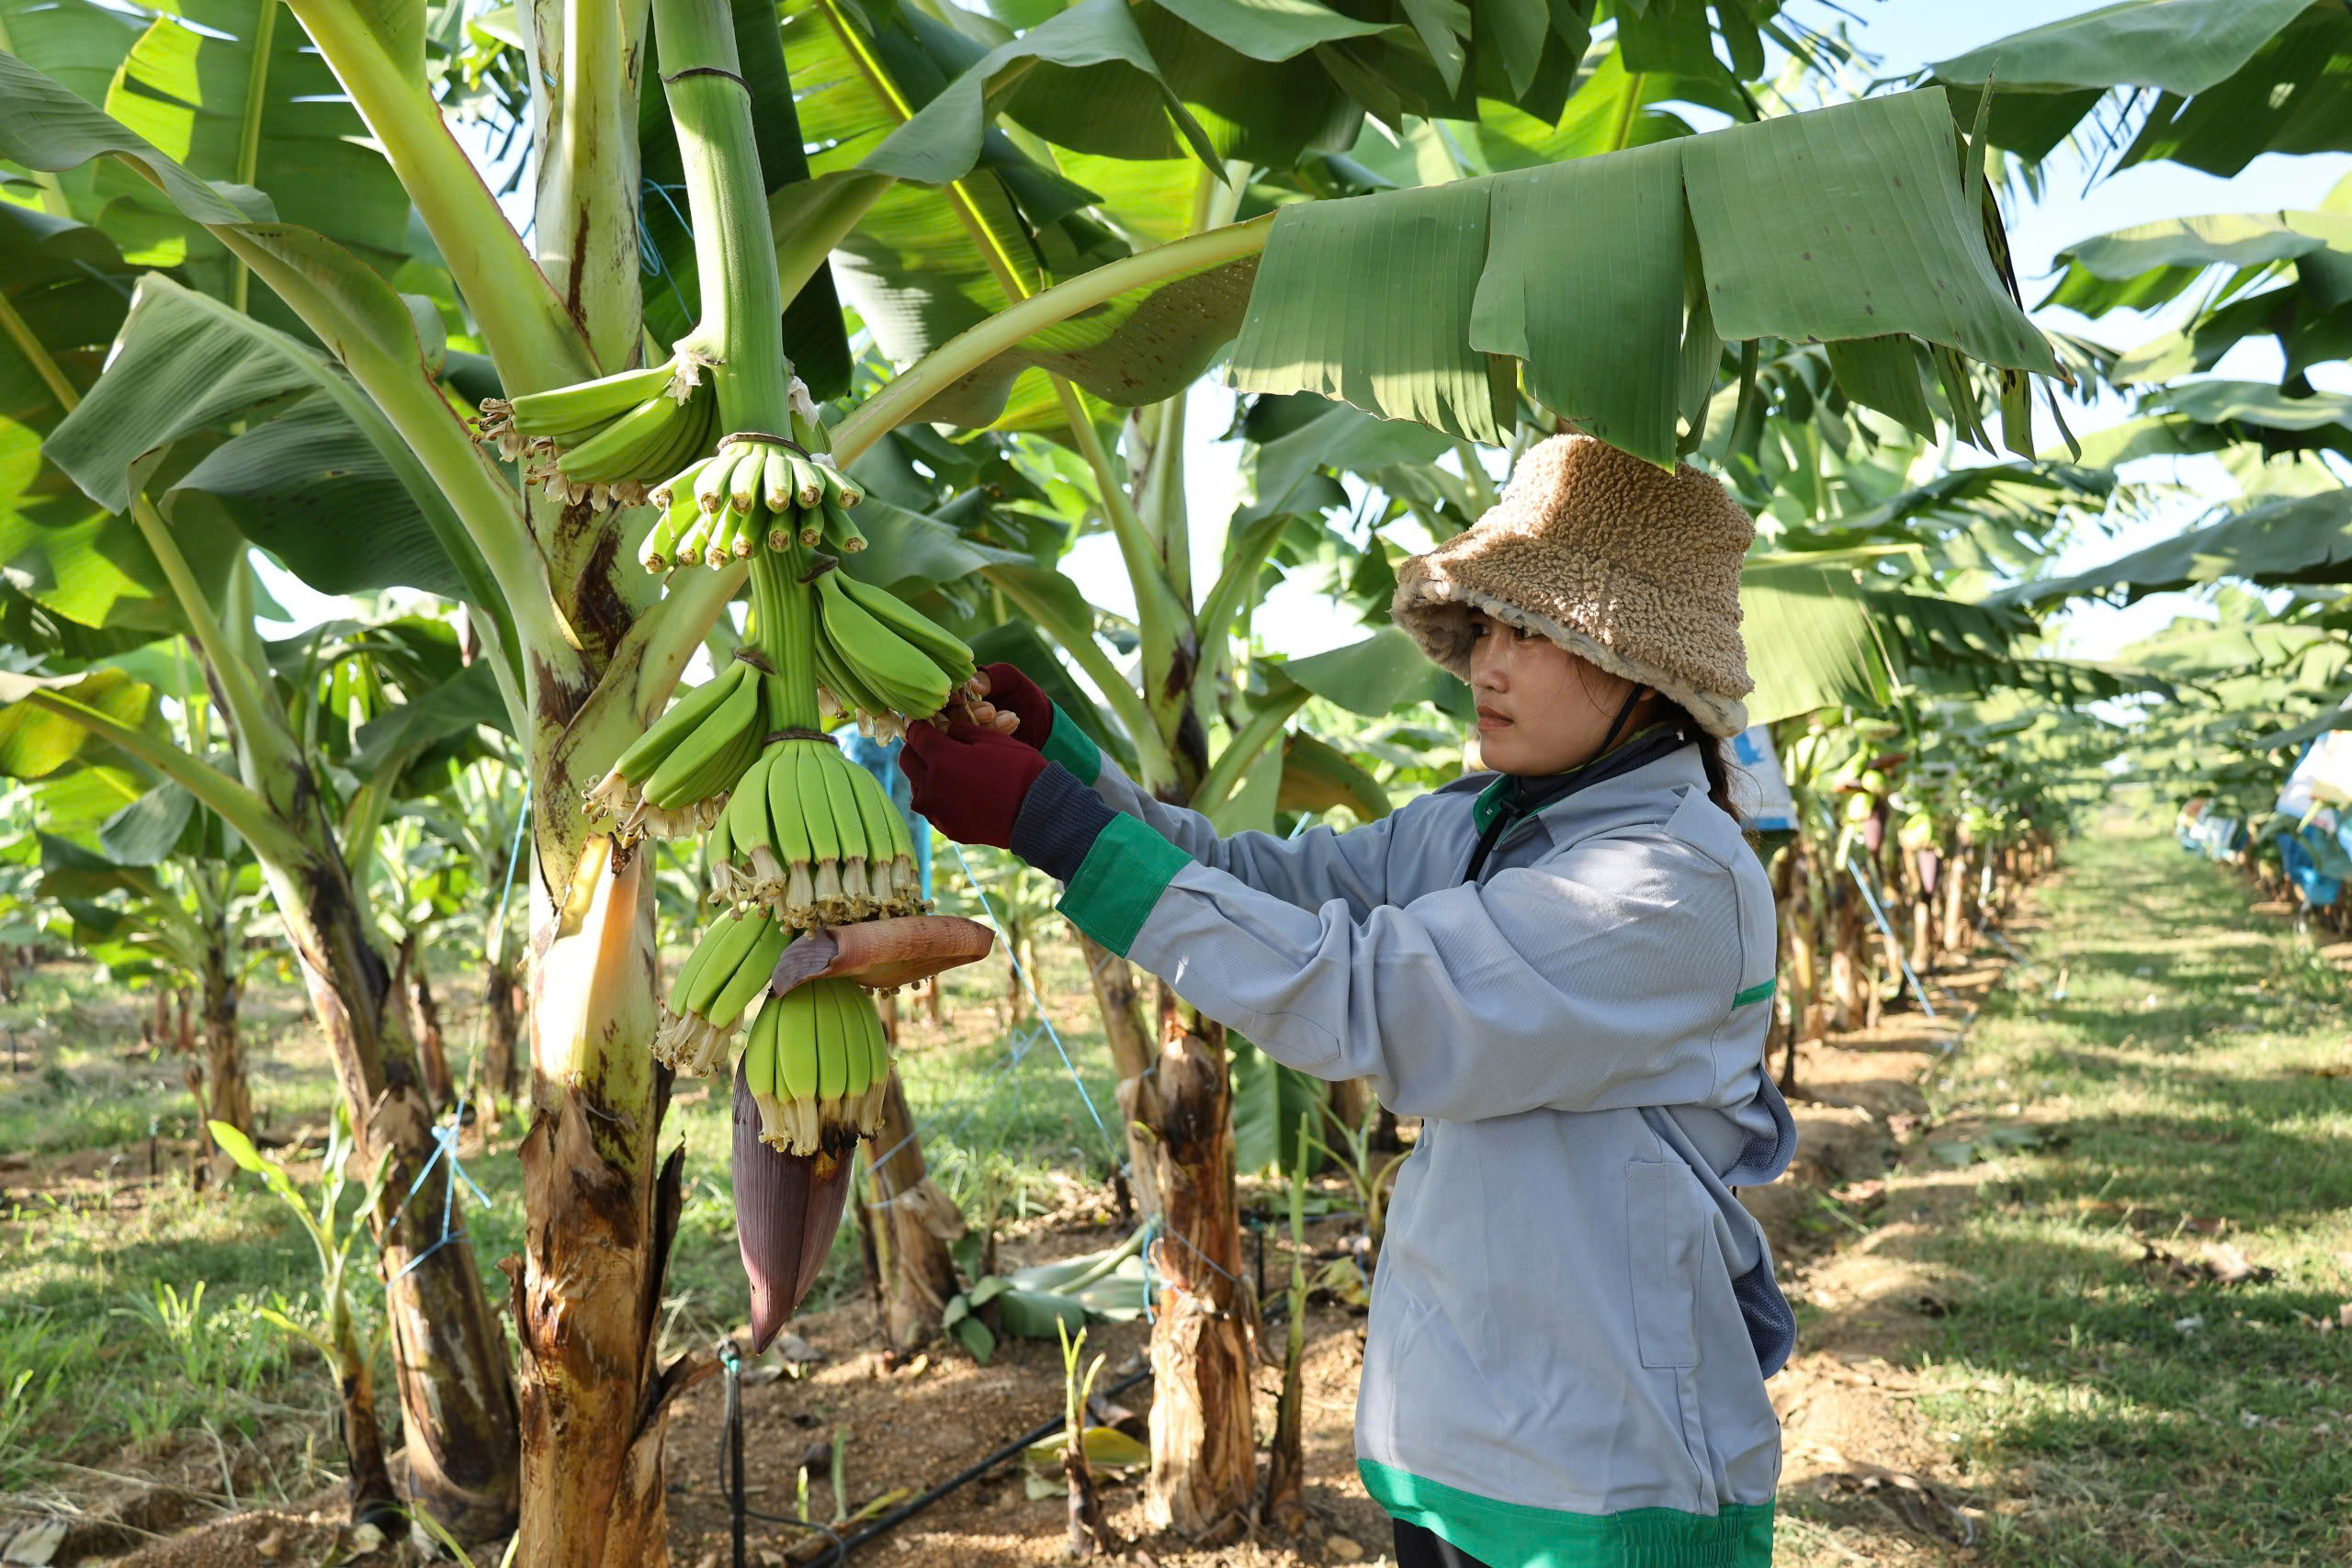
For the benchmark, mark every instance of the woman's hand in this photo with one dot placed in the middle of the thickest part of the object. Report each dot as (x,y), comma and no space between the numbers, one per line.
(969,779)
(1000,697)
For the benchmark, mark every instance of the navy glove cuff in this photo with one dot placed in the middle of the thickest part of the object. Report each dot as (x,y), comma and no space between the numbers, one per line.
(1059,822)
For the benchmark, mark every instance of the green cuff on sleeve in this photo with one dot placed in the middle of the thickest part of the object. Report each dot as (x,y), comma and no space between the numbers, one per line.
(1074,748)
(1122,876)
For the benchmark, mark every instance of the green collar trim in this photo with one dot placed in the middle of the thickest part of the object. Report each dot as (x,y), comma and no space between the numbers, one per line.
(1489,801)
(1740,1536)
(1493,799)
(1074,748)
(1120,881)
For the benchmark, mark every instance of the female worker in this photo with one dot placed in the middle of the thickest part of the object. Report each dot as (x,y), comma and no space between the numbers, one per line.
(1564,969)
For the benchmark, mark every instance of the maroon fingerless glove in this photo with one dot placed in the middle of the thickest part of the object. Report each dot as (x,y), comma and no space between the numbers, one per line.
(1015,692)
(980,787)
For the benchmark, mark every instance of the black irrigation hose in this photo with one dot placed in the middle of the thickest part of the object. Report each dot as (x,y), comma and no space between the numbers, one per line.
(730,1449)
(730,1442)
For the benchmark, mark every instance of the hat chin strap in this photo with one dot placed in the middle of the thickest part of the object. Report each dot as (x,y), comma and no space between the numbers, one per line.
(1624,711)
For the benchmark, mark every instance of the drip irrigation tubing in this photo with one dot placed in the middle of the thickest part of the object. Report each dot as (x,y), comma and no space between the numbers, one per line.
(731,1463)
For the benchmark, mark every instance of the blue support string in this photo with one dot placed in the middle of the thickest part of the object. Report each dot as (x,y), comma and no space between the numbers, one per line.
(648,258)
(1037,1007)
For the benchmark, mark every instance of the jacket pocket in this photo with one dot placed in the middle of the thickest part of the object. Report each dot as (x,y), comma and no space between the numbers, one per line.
(1664,1229)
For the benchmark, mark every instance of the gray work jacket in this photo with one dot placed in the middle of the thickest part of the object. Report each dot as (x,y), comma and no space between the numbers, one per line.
(1572,1317)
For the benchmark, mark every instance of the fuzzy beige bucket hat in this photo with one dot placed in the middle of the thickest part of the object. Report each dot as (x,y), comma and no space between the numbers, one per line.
(1619,562)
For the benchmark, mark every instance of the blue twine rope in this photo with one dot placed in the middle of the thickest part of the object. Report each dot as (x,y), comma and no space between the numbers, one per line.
(514,849)
(648,258)
(445,1141)
(1038,1006)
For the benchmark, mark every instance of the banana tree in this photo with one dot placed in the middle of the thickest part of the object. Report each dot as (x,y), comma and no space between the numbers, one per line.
(278,801)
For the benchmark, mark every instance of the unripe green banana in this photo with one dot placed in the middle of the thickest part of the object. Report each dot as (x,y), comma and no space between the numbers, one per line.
(942,647)
(832,1048)
(731,936)
(689,975)
(695,537)
(716,743)
(775,479)
(744,478)
(789,829)
(840,489)
(751,976)
(760,1049)
(894,669)
(619,450)
(725,534)
(808,481)
(710,482)
(587,403)
(796,1067)
(647,750)
(845,534)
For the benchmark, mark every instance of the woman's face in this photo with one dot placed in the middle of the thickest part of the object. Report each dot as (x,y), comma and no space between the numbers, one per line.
(1541,708)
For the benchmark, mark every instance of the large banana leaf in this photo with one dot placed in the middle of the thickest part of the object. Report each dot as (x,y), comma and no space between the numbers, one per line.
(199,88)
(35,742)
(923,264)
(2140,267)
(329,486)
(81,45)
(1845,223)
(81,564)
(2234,79)
(941,141)
(2301,540)
(1384,673)
(44,127)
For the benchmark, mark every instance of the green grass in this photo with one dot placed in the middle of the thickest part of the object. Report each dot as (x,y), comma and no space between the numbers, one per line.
(105,1340)
(2109,1413)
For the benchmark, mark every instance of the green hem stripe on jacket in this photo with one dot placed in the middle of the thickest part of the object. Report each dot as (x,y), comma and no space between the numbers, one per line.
(1074,748)
(1756,993)
(1121,879)
(1516,1535)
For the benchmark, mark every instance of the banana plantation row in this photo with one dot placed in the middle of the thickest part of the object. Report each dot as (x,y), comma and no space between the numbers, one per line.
(571,322)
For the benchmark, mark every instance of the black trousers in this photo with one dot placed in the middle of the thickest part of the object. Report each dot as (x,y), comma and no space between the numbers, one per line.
(1417,1548)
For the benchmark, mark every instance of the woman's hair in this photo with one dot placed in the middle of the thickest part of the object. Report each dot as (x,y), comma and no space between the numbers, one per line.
(1714,755)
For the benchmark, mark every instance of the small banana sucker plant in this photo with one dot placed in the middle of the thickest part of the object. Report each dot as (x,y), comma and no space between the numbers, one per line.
(350,1357)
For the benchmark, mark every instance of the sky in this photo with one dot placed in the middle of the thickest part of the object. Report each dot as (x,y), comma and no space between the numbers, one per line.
(1907,35)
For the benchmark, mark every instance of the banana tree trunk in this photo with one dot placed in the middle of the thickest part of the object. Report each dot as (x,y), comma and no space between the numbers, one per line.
(1204,1448)
(1959,933)
(1844,957)
(415,995)
(448,1353)
(497,1080)
(602,1211)
(433,1050)
(228,1094)
(1114,979)
(911,1221)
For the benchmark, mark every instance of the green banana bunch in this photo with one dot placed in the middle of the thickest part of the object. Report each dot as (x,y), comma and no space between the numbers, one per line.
(754,490)
(879,657)
(605,441)
(727,968)
(810,836)
(818,1065)
(673,782)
